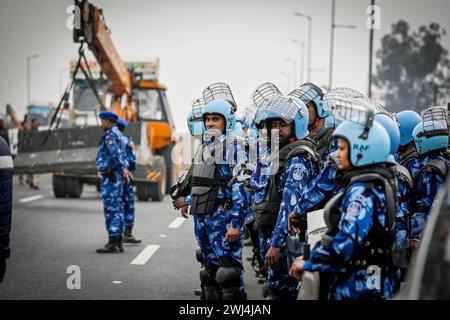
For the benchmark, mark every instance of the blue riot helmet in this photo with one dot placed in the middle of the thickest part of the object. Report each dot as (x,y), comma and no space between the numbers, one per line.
(309,92)
(365,149)
(432,132)
(289,109)
(391,127)
(223,108)
(195,118)
(407,121)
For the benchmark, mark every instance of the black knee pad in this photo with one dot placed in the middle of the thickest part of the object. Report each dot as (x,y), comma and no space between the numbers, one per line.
(229,273)
(207,278)
(208,274)
(199,255)
(228,277)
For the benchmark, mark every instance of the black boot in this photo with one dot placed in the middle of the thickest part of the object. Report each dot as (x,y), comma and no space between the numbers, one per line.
(111,246)
(119,244)
(129,238)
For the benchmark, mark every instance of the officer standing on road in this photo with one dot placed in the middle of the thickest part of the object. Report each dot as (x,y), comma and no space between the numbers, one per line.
(218,229)
(112,165)
(6,186)
(128,192)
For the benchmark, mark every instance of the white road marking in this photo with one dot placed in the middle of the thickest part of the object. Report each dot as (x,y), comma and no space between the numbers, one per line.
(145,254)
(163,236)
(117,282)
(28,199)
(177,223)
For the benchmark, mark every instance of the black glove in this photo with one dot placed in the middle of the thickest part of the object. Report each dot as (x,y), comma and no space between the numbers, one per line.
(2,268)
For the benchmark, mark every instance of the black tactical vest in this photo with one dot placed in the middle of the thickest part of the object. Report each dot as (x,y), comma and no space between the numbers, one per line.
(204,183)
(323,140)
(376,247)
(266,212)
(408,155)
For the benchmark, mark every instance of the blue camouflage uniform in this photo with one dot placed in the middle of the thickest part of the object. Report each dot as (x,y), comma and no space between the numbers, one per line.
(6,192)
(210,230)
(357,206)
(297,174)
(128,192)
(425,189)
(111,156)
(259,182)
(320,188)
(403,210)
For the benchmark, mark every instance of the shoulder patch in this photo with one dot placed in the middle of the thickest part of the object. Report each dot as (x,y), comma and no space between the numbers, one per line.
(298,174)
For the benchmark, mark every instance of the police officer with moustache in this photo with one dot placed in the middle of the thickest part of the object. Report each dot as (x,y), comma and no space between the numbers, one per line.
(218,228)
(112,165)
(292,165)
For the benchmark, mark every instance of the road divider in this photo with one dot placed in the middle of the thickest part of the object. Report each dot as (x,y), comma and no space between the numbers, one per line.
(177,223)
(145,255)
(29,199)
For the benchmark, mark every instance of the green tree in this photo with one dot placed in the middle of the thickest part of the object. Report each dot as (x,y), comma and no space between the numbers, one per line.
(412,64)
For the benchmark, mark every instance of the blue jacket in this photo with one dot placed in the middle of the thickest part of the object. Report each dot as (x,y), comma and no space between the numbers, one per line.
(298,172)
(6,189)
(111,152)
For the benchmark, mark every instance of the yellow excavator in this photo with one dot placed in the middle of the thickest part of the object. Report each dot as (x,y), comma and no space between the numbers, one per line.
(133,93)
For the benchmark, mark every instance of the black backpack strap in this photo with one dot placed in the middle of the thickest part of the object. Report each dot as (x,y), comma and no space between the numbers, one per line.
(403,174)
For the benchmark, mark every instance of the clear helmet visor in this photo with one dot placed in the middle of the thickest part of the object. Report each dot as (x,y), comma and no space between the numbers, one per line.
(282,107)
(349,104)
(219,91)
(264,92)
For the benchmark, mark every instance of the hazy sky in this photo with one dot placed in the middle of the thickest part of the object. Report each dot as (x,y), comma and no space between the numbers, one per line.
(241,42)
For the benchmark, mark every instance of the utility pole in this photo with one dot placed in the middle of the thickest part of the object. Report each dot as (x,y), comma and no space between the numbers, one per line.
(302,15)
(333,26)
(29,58)
(369,93)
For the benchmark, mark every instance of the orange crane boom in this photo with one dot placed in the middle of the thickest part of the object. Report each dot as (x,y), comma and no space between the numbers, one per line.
(95,33)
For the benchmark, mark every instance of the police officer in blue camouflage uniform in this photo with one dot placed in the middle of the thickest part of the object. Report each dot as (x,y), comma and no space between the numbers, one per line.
(298,163)
(218,221)
(431,139)
(128,191)
(360,219)
(324,186)
(407,154)
(6,195)
(112,165)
